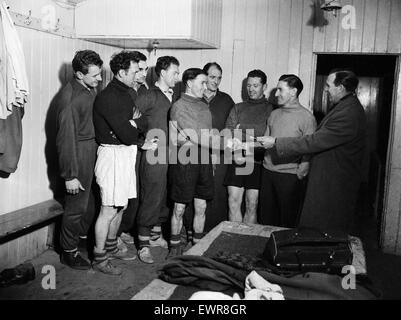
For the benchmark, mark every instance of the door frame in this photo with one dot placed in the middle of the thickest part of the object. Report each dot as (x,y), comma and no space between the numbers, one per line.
(390,233)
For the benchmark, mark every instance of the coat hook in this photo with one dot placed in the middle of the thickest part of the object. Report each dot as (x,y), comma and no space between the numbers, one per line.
(28,19)
(57,26)
(155,45)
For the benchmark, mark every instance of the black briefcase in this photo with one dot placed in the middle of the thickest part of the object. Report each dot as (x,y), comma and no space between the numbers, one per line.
(308,250)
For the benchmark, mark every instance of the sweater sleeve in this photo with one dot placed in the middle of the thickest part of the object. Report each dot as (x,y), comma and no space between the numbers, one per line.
(144,103)
(188,130)
(232,119)
(338,130)
(308,128)
(66,141)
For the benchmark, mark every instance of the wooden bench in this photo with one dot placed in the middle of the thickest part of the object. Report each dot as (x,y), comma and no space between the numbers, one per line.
(19,220)
(160,290)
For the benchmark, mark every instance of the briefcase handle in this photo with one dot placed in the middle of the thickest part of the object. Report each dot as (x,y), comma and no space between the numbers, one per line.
(301,228)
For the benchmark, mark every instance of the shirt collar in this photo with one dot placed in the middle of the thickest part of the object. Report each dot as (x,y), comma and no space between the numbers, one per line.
(211,97)
(261,100)
(120,84)
(77,86)
(168,93)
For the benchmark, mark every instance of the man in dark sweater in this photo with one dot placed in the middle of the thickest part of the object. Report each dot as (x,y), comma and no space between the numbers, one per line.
(138,88)
(155,106)
(220,105)
(76,147)
(338,148)
(118,136)
(249,115)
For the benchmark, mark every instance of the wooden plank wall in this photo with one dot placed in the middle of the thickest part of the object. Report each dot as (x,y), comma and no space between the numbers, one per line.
(277,36)
(47,60)
(280,36)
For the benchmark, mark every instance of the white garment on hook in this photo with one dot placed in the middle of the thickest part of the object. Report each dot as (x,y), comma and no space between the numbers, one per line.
(14,88)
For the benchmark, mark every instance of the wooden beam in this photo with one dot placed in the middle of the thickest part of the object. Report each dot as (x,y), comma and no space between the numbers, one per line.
(30,22)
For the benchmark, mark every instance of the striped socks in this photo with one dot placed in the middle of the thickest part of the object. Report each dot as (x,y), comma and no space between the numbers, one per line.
(197,237)
(175,240)
(143,241)
(99,257)
(155,233)
(111,246)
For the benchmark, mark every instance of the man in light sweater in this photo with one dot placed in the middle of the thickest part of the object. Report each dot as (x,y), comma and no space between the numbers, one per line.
(281,182)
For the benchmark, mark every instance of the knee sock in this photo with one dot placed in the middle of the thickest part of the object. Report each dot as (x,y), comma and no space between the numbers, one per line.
(155,233)
(175,240)
(197,237)
(111,245)
(99,257)
(143,241)
(190,236)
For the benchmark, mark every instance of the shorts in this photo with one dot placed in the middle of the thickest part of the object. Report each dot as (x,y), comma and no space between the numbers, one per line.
(189,181)
(115,174)
(247,181)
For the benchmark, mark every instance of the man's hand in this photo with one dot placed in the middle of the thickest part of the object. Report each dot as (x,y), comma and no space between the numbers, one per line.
(267,142)
(137,114)
(73,186)
(133,123)
(303,170)
(150,144)
(234,144)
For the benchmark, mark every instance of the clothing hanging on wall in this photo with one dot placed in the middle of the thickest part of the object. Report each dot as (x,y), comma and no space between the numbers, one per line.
(12,60)
(13,92)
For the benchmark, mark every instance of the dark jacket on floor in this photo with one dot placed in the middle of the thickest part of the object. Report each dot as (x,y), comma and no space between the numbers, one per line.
(338,148)
(208,274)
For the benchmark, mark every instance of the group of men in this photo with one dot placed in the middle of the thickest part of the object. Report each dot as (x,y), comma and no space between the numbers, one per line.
(147,144)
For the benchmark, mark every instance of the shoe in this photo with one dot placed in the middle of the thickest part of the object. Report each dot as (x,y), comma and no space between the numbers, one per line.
(175,251)
(21,274)
(159,242)
(107,268)
(122,255)
(121,245)
(145,255)
(127,238)
(74,260)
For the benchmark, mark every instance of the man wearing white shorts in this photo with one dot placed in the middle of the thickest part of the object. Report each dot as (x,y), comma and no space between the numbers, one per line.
(118,125)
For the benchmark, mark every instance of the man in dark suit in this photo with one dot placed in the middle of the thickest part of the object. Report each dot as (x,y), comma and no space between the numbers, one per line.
(338,148)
